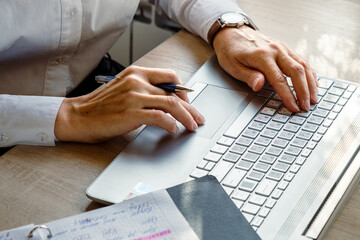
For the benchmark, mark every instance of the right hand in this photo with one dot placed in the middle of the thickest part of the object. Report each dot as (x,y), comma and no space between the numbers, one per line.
(124,104)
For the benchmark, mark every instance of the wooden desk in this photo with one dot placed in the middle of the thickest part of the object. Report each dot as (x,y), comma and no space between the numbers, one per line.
(40,184)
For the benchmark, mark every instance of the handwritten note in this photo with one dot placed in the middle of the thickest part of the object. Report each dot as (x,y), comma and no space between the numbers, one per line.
(151,216)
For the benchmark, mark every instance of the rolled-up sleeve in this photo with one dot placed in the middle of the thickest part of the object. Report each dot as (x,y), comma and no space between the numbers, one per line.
(28,119)
(196,16)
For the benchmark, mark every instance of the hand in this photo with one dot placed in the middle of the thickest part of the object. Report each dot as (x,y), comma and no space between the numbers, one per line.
(251,57)
(123,105)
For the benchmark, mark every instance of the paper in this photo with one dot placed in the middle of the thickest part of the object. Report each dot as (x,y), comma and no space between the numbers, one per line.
(147,217)
(18,233)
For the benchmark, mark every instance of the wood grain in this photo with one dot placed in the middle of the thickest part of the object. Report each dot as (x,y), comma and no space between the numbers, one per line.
(40,184)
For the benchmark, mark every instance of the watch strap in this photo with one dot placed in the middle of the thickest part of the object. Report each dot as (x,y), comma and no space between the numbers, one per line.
(217,26)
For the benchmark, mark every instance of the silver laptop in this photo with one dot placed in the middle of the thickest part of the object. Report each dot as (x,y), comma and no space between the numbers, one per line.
(287,173)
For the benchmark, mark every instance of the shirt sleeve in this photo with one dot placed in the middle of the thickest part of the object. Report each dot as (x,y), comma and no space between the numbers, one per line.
(196,16)
(28,120)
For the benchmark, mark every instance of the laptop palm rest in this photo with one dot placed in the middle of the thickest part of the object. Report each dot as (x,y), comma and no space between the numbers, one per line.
(162,160)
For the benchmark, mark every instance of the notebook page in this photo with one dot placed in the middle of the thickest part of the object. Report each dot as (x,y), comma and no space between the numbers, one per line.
(19,233)
(150,216)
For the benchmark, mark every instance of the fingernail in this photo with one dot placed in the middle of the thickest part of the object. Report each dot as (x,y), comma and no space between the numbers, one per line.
(194,126)
(305,104)
(254,83)
(200,119)
(175,129)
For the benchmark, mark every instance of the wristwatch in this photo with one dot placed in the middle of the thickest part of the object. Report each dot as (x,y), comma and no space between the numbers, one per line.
(229,19)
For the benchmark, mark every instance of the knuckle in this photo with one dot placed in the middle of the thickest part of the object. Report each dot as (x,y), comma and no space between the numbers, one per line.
(172,101)
(171,73)
(298,68)
(279,77)
(158,115)
(132,69)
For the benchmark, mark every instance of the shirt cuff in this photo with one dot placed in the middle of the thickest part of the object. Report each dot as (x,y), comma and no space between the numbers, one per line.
(28,120)
(196,16)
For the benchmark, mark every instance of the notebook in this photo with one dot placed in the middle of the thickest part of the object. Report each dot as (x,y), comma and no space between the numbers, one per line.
(179,212)
(287,173)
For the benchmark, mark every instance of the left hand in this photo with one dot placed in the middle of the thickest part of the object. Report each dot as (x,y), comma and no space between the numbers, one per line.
(252,57)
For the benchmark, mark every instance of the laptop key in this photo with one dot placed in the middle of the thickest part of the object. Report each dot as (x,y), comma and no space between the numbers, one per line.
(262,118)
(211,156)
(251,209)
(255,175)
(244,165)
(291,127)
(297,142)
(198,173)
(281,167)
(270,203)
(202,164)
(249,133)
(283,185)
(263,141)
(217,148)
(304,135)
(275,175)
(266,158)
(310,127)
(277,194)
(221,169)
(251,157)
(268,133)
(297,120)
(262,167)
(257,221)
(315,120)
(268,111)
(256,149)
(295,151)
(248,217)
(209,166)
(237,149)
(286,158)
(275,151)
(240,195)
(257,199)
(266,187)
(226,141)
(325,83)
(234,177)
(320,113)
(247,185)
(231,157)
(286,135)
(244,141)
(277,142)
(264,212)
(257,126)
(280,118)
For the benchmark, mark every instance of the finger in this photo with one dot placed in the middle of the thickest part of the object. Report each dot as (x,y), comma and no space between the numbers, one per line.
(159,75)
(156,118)
(297,73)
(253,78)
(310,76)
(277,80)
(172,105)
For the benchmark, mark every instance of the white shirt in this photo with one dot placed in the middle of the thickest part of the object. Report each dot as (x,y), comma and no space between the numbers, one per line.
(47,47)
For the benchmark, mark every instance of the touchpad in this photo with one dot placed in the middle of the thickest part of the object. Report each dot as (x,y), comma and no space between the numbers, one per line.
(216,104)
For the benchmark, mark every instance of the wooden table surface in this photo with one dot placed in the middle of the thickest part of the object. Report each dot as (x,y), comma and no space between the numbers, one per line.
(41,184)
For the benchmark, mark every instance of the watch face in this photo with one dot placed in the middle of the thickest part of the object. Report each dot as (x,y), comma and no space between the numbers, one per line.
(233,18)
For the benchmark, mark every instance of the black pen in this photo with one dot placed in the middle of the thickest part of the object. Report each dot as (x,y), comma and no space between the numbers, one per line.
(168,87)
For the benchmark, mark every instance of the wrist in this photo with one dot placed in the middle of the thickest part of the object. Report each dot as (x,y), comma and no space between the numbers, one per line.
(64,125)
(229,20)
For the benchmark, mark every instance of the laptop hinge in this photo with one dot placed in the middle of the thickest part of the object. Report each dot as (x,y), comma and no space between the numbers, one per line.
(336,198)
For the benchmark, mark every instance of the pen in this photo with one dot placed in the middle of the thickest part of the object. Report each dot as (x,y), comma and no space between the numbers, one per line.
(168,87)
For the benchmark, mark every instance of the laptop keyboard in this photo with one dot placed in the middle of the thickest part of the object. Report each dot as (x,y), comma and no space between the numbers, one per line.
(256,166)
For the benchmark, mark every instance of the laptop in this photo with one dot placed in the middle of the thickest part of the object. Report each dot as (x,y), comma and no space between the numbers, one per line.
(287,173)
